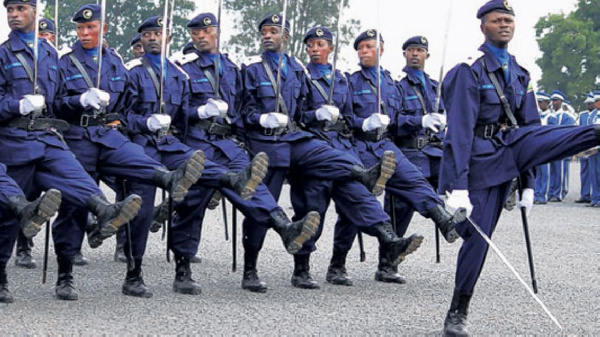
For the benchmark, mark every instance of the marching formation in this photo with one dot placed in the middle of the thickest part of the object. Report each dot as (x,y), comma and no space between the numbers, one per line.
(202,129)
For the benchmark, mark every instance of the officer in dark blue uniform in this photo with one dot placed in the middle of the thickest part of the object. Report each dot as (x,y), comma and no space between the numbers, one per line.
(33,150)
(353,201)
(559,170)
(585,196)
(47,30)
(94,115)
(273,129)
(488,144)
(137,50)
(373,128)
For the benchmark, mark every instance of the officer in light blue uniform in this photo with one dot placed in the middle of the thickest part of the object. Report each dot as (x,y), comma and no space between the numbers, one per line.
(33,151)
(541,173)
(559,170)
(594,158)
(585,195)
(274,130)
(488,145)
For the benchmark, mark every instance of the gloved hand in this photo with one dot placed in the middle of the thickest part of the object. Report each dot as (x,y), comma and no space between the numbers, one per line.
(273,120)
(31,103)
(459,199)
(95,98)
(328,113)
(158,121)
(375,121)
(433,121)
(526,200)
(213,108)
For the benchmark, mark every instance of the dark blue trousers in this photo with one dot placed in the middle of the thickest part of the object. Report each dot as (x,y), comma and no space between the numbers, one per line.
(9,226)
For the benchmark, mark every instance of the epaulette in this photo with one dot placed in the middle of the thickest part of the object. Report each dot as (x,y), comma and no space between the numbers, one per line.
(116,53)
(187,58)
(181,69)
(298,62)
(64,51)
(133,63)
(252,59)
(473,57)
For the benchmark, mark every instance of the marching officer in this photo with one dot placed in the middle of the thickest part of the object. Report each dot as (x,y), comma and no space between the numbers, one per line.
(585,196)
(594,158)
(137,50)
(47,30)
(559,170)
(488,144)
(541,173)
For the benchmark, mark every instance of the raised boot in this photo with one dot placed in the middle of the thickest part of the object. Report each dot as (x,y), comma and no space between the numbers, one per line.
(65,288)
(447,222)
(179,181)
(109,217)
(184,284)
(119,255)
(134,282)
(393,248)
(295,234)
(455,323)
(160,216)
(376,177)
(336,272)
(301,277)
(23,258)
(250,280)
(5,295)
(80,260)
(386,272)
(247,180)
(32,215)
(215,200)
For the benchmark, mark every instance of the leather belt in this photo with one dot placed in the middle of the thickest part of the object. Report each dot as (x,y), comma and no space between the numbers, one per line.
(100,120)
(369,136)
(487,131)
(275,131)
(413,143)
(214,128)
(327,126)
(38,124)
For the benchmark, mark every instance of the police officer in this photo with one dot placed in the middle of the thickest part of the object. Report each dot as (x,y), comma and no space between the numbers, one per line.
(484,150)
(273,129)
(585,196)
(594,156)
(541,173)
(32,147)
(47,30)
(559,170)
(137,50)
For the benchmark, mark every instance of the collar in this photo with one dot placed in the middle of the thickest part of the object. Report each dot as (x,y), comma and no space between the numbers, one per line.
(80,53)
(16,44)
(491,62)
(292,64)
(315,70)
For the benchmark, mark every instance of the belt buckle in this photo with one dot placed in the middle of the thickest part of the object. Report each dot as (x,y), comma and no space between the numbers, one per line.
(269,132)
(421,142)
(488,131)
(30,124)
(84,121)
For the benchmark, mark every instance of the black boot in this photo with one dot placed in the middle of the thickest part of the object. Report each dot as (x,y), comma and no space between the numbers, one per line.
(447,222)
(376,177)
(119,255)
(110,217)
(246,181)
(5,295)
(24,258)
(160,216)
(386,272)
(134,283)
(393,248)
(215,200)
(196,259)
(336,272)
(184,284)
(250,280)
(178,182)
(295,234)
(456,319)
(32,215)
(65,288)
(301,277)
(80,260)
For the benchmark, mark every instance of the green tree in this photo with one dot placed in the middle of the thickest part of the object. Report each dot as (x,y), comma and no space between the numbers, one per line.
(123,18)
(302,15)
(569,43)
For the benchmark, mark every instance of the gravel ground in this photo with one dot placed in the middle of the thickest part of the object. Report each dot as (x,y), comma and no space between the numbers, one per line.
(566,249)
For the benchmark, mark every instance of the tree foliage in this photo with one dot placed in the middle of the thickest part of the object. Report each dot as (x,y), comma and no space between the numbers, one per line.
(571,52)
(123,18)
(302,15)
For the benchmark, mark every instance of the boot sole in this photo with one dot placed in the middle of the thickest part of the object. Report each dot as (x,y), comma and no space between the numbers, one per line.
(347,283)
(414,244)
(67,298)
(49,205)
(309,229)
(255,290)
(388,166)
(187,291)
(306,286)
(258,172)
(193,171)
(129,211)
(140,295)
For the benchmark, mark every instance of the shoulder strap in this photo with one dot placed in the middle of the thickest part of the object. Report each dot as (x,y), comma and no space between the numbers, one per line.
(212,81)
(317,85)
(153,76)
(272,79)
(84,73)
(24,62)
(503,100)
(420,97)
(374,89)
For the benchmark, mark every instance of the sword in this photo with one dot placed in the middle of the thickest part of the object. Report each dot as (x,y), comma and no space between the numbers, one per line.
(56,24)
(438,93)
(335,53)
(218,59)
(163,55)
(36,54)
(281,55)
(101,39)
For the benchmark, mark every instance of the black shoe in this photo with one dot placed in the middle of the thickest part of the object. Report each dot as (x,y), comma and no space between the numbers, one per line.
(160,216)
(184,284)
(250,280)
(32,215)
(134,282)
(554,199)
(196,259)
(447,222)
(5,295)
(24,259)
(392,248)
(295,234)
(583,201)
(179,181)
(246,181)
(65,288)
(215,200)
(455,323)
(389,274)
(336,272)
(110,217)
(301,277)
(80,260)
(376,177)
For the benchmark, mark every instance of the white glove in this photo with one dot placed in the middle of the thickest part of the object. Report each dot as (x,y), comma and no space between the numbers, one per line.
(328,113)
(95,98)
(213,108)
(459,199)
(375,121)
(273,120)
(433,121)
(158,121)
(31,103)
(526,200)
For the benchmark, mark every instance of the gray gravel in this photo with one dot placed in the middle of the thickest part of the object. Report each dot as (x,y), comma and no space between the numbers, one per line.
(565,244)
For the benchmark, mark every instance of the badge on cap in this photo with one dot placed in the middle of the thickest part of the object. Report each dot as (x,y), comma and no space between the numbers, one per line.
(423,40)
(319,32)
(275,18)
(370,33)
(207,21)
(87,14)
(507,6)
(159,22)
(43,25)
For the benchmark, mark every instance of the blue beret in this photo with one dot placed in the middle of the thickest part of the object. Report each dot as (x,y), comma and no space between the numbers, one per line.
(189,47)
(320,32)
(370,34)
(542,96)
(87,13)
(22,2)
(558,95)
(151,23)
(203,20)
(47,25)
(495,6)
(416,41)
(135,39)
(274,20)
